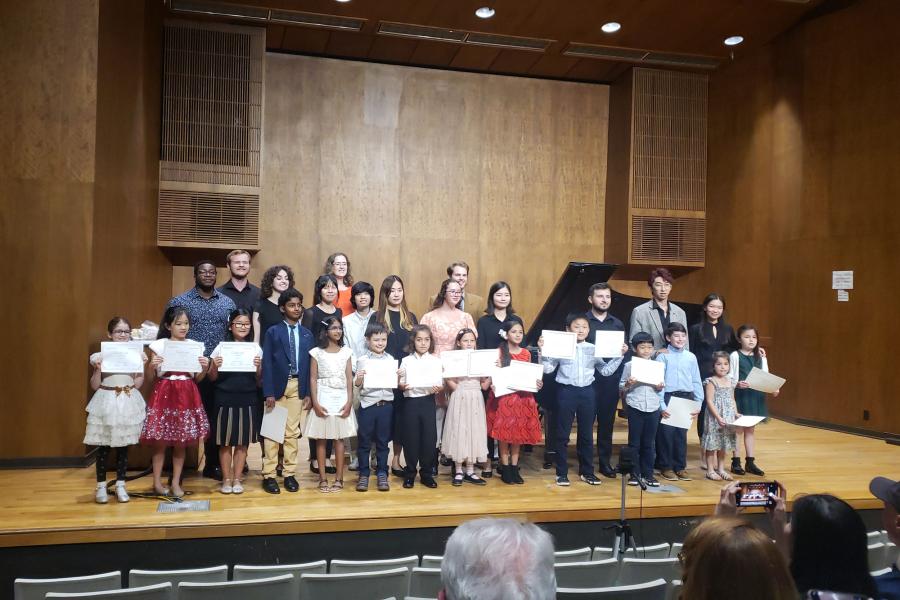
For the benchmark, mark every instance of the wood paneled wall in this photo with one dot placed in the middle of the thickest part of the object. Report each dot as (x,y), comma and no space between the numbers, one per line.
(804,140)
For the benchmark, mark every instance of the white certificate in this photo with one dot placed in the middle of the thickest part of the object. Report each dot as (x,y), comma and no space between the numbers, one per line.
(238,356)
(558,344)
(608,344)
(182,356)
(482,362)
(273,423)
(455,363)
(122,357)
(648,371)
(680,410)
(500,380)
(424,373)
(761,381)
(380,374)
(523,376)
(746,421)
(332,400)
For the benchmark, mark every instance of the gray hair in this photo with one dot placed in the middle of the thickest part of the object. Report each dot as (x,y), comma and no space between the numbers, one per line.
(498,559)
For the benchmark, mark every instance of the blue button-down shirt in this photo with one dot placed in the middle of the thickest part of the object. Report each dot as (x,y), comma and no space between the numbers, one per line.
(682,373)
(209,316)
(580,371)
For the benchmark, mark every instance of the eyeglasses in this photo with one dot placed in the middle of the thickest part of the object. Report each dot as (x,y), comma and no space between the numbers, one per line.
(454,292)
(241,325)
(121,331)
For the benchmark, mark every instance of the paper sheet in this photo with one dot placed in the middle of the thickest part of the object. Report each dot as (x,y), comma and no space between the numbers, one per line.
(379,373)
(182,357)
(122,357)
(238,357)
(332,400)
(746,421)
(500,380)
(680,410)
(761,381)
(608,344)
(455,363)
(648,371)
(482,362)
(523,376)
(273,423)
(558,344)
(424,373)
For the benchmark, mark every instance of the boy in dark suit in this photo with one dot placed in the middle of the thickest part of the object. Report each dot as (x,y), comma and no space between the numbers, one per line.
(286,383)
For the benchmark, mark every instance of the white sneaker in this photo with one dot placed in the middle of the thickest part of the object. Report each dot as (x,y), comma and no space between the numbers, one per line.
(121,494)
(100,496)
(226,487)
(354,463)
(237,488)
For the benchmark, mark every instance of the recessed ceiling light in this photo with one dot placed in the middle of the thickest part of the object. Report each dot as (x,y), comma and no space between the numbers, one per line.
(734,40)
(343,0)
(611,27)
(485,12)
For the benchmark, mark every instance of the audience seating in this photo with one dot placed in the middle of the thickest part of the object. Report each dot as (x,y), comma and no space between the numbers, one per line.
(674,590)
(675,549)
(570,556)
(602,553)
(430,561)
(425,582)
(652,590)
(891,553)
(877,556)
(880,572)
(159,591)
(140,577)
(592,574)
(246,572)
(279,587)
(639,570)
(36,589)
(657,551)
(374,585)
(366,566)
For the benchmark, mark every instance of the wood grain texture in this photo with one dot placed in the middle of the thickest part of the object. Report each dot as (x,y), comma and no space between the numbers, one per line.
(65,512)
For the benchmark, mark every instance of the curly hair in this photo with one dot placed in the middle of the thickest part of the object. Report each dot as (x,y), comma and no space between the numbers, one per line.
(328,269)
(268,279)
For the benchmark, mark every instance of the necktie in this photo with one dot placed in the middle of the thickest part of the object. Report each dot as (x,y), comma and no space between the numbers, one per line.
(293,349)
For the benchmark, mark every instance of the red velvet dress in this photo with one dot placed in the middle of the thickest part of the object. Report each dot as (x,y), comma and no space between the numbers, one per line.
(175,415)
(513,418)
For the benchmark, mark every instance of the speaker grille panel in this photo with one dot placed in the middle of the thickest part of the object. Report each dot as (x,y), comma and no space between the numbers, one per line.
(189,217)
(668,239)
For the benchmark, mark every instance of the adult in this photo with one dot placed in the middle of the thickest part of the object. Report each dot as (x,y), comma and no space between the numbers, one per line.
(244,294)
(339,265)
(721,551)
(499,309)
(362,298)
(712,334)
(394,315)
(655,315)
(606,389)
(888,491)
(498,559)
(266,313)
(471,303)
(208,311)
(325,293)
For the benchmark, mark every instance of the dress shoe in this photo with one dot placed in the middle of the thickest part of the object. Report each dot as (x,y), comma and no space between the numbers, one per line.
(607,471)
(428,481)
(682,475)
(409,482)
(271,486)
(398,472)
(290,484)
(668,475)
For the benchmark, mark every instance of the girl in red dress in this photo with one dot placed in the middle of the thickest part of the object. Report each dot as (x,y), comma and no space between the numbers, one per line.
(513,418)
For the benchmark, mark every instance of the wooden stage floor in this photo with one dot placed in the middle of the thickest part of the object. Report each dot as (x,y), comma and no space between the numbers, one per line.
(55,506)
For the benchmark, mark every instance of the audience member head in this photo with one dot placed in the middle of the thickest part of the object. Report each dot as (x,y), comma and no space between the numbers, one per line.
(726,557)
(888,491)
(828,546)
(498,559)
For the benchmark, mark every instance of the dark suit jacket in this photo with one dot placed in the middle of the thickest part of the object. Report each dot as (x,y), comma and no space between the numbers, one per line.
(277,363)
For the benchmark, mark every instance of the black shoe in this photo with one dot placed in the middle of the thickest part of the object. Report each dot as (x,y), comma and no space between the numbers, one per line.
(515,475)
(330,469)
(271,486)
(474,479)
(651,482)
(527,448)
(398,472)
(752,468)
(428,481)
(290,484)
(409,482)
(446,462)
(736,466)
(246,469)
(457,480)
(505,474)
(607,471)
(548,465)
(590,479)
(213,473)
(632,480)
(312,469)
(487,474)
(562,480)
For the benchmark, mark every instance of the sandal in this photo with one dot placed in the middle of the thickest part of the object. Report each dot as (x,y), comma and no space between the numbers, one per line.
(323,486)
(713,476)
(337,486)
(725,476)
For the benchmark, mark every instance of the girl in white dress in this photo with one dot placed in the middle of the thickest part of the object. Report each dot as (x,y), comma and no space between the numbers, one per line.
(331,394)
(116,413)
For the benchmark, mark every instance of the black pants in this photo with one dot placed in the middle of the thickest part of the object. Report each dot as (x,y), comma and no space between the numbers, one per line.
(419,434)
(606,391)
(576,404)
(121,463)
(210,449)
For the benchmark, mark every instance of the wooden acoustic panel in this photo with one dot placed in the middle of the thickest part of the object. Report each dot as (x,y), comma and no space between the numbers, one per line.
(207,218)
(667,239)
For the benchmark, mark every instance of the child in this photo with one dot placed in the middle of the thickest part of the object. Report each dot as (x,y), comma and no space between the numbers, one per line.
(419,423)
(643,406)
(236,405)
(375,416)
(682,381)
(285,376)
(465,429)
(362,297)
(331,390)
(116,414)
(575,399)
(513,418)
(749,402)
(720,410)
(175,415)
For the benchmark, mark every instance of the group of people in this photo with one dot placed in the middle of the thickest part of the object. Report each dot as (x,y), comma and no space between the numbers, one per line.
(311,362)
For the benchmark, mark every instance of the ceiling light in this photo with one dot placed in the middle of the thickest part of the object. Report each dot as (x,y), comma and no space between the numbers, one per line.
(485,12)
(734,40)
(343,0)
(611,27)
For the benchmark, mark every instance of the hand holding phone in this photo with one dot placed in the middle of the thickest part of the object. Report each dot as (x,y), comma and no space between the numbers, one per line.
(757,493)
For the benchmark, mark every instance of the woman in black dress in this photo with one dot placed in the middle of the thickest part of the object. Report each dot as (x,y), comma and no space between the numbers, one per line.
(266,312)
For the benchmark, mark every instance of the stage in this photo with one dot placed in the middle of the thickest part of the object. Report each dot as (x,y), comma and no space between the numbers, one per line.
(56,506)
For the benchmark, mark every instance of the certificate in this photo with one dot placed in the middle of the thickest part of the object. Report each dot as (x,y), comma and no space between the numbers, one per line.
(648,371)
(558,344)
(482,362)
(424,373)
(273,423)
(500,380)
(746,421)
(182,356)
(122,357)
(759,380)
(455,363)
(332,400)
(608,344)
(380,374)
(680,410)
(237,356)
(523,376)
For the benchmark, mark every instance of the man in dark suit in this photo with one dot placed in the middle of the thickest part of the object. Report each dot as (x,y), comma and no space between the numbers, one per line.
(286,384)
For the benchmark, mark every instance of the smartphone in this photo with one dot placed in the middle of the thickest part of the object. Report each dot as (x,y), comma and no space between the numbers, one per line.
(756,493)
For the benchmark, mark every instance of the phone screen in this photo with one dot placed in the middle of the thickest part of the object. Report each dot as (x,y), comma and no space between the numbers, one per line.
(756,494)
